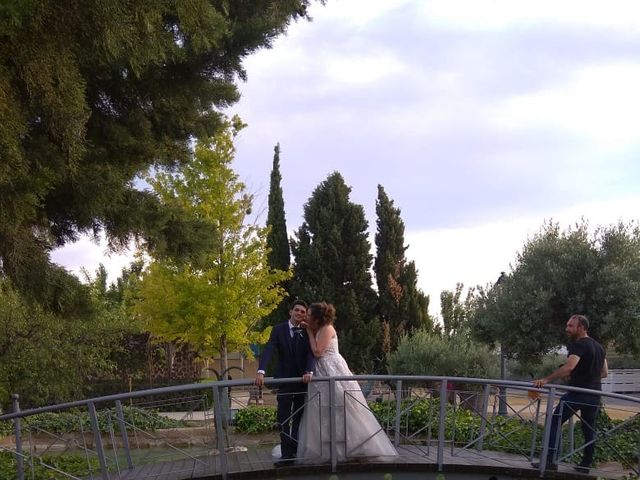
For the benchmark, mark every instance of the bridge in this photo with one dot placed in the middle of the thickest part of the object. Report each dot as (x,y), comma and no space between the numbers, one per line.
(438,424)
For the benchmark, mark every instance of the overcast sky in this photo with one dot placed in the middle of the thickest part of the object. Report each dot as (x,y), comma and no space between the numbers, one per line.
(480,118)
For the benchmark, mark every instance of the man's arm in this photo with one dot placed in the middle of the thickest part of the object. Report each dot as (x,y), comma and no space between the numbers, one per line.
(265,356)
(564,371)
(605,369)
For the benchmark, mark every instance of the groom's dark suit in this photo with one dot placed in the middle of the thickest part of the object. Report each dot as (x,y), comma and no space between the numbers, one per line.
(294,360)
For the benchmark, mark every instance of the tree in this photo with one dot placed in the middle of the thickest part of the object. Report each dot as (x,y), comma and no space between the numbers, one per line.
(52,357)
(454,312)
(279,257)
(402,305)
(560,273)
(213,303)
(332,262)
(88,104)
(427,353)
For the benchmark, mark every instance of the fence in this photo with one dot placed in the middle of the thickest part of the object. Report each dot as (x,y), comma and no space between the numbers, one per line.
(418,414)
(622,381)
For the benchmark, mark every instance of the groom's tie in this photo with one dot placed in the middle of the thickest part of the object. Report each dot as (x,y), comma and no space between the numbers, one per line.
(297,333)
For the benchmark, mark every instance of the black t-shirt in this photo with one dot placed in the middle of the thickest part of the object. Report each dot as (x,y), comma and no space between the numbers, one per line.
(587,373)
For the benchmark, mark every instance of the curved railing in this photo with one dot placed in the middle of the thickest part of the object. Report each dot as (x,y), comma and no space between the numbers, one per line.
(428,421)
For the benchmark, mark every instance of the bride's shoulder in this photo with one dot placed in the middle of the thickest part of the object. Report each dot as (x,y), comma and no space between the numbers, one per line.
(329,331)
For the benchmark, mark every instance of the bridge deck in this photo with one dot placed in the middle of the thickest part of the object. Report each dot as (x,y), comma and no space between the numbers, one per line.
(256,463)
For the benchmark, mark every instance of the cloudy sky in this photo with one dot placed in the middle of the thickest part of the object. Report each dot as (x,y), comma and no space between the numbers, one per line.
(481,118)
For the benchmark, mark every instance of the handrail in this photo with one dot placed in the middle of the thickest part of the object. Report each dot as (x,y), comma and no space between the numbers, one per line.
(220,412)
(278,381)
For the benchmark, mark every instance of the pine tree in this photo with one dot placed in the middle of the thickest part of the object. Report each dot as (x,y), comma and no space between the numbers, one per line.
(332,262)
(279,257)
(402,305)
(90,103)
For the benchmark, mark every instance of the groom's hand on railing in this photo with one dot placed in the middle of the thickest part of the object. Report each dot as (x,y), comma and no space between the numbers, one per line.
(259,381)
(306,378)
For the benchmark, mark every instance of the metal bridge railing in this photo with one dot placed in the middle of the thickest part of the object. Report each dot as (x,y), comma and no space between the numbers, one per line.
(429,419)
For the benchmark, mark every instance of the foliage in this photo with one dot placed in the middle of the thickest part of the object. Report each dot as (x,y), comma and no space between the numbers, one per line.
(49,357)
(332,263)
(454,312)
(279,256)
(211,303)
(89,103)
(256,419)
(401,303)
(427,353)
(561,273)
(77,420)
(530,368)
(74,464)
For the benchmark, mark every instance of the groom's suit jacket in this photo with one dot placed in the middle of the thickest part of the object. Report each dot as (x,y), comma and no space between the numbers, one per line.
(294,355)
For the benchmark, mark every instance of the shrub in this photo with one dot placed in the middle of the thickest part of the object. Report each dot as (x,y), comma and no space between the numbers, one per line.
(76,465)
(427,353)
(77,420)
(256,419)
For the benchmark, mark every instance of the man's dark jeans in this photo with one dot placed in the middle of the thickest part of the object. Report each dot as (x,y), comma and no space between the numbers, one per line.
(291,398)
(570,403)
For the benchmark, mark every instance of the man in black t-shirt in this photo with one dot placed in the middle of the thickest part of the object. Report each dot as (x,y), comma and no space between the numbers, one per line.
(586,365)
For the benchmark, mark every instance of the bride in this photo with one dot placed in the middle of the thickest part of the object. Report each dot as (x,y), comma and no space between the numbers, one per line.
(358,433)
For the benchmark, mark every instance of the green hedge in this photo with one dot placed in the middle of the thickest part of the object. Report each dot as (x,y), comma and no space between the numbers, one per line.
(256,419)
(77,420)
(73,464)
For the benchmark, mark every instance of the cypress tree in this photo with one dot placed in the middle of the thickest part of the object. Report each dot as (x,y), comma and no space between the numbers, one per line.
(332,262)
(402,306)
(279,257)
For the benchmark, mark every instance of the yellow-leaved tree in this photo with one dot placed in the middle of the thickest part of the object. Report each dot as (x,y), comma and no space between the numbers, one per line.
(212,302)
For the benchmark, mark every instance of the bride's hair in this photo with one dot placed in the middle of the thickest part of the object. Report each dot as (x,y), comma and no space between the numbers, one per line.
(323,312)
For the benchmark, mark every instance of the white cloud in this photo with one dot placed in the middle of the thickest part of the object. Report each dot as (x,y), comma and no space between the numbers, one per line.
(601,104)
(502,14)
(88,255)
(476,255)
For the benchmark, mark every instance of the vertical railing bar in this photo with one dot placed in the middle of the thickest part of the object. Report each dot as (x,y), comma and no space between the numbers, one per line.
(32,446)
(93,417)
(217,415)
(15,402)
(396,439)
(333,425)
(123,432)
(483,416)
(547,430)
(534,433)
(572,427)
(112,437)
(441,419)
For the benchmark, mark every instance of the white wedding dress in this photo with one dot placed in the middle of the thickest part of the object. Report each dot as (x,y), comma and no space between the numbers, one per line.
(358,433)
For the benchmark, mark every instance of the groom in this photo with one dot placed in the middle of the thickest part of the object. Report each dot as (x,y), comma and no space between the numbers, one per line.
(295,359)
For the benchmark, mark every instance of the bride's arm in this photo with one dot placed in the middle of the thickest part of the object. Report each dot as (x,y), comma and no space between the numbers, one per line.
(320,345)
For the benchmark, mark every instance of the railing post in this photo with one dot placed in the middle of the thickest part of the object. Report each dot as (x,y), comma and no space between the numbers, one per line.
(572,428)
(483,415)
(534,432)
(547,430)
(17,424)
(123,432)
(93,417)
(217,415)
(333,451)
(396,439)
(441,419)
